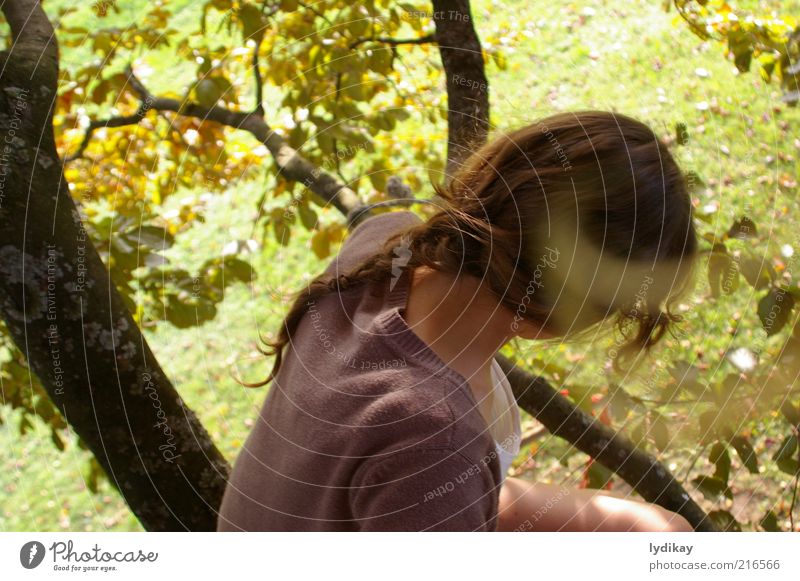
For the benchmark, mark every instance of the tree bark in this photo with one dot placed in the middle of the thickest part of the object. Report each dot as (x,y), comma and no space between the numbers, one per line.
(467,86)
(68,319)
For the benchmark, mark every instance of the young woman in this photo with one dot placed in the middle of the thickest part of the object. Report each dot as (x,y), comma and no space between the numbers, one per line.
(388,410)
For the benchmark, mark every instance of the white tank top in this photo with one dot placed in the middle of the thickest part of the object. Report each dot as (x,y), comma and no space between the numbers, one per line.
(505,427)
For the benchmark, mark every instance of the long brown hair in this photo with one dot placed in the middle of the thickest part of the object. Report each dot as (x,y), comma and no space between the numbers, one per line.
(602,180)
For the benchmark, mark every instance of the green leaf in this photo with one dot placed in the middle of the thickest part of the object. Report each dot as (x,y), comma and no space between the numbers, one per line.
(308,217)
(358,26)
(756,272)
(719,456)
(189,314)
(774,310)
(724,521)
(253,22)
(56,438)
(789,465)
(283,232)
(94,472)
(321,244)
(730,279)
(380,59)
(785,457)
(620,403)
(637,432)
(712,488)
(687,376)
(694,181)
(746,453)
(743,228)
(708,425)
(741,45)
(681,133)
(24,425)
(598,476)
(155,237)
(787,449)
(208,92)
(742,60)
(659,431)
(769,522)
(723,272)
(791,413)
(236,269)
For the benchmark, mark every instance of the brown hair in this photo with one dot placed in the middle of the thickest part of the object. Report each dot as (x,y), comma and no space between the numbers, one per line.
(597,188)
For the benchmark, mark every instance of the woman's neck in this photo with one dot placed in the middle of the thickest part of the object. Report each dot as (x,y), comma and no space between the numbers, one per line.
(459,319)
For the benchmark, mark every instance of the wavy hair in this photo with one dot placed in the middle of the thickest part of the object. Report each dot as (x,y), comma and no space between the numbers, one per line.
(598,188)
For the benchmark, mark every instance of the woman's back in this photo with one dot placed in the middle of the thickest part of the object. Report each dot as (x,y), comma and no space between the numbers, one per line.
(364,427)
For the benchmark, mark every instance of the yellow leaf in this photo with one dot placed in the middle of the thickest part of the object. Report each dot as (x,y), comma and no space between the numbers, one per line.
(321,244)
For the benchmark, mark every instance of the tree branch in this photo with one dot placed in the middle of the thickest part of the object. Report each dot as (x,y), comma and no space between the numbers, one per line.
(429,38)
(259,82)
(608,447)
(30,27)
(120,121)
(291,165)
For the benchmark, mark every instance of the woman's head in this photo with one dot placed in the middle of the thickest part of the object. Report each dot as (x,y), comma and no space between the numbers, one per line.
(573,219)
(568,221)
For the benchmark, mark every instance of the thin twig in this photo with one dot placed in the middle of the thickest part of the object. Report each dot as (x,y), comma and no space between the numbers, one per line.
(120,121)
(259,108)
(429,38)
(699,453)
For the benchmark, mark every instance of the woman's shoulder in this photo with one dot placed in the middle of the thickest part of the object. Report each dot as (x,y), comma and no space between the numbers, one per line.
(421,410)
(369,236)
(386,220)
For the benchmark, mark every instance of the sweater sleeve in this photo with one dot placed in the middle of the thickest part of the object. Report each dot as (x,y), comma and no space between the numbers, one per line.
(424,490)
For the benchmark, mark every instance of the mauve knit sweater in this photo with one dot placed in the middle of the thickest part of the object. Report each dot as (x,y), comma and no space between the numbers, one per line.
(364,428)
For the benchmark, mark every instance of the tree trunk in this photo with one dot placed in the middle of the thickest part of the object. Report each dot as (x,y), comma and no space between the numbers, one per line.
(467,86)
(68,319)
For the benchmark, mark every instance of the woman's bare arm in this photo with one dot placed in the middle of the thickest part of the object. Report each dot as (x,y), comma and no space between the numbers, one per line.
(529,506)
